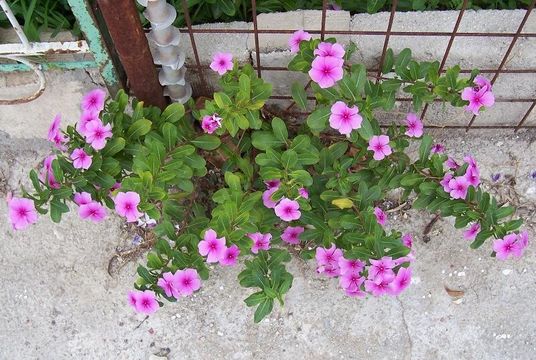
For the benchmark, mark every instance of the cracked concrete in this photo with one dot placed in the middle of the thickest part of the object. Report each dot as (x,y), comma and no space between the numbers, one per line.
(60,303)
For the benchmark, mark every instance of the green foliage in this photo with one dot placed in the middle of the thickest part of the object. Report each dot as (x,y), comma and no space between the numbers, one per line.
(163,156)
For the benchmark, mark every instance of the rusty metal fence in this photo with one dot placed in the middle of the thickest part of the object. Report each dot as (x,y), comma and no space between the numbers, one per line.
(199,68)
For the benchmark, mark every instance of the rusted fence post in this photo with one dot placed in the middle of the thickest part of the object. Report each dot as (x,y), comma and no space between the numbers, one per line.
(126,32)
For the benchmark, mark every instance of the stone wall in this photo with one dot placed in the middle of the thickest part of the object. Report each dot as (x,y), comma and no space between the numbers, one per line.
(469,52)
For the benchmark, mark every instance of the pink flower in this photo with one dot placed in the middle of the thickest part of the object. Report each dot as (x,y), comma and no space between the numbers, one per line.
(296,39)
(222,62)
(523,239)
(21,212)
(211,123)
(328,260)
(126,204)
(458,187)
(344,118)
(85,118)
(405,259)
(116,186)
(351,282)
(326,71)
(414,125)
(380,146)
(472,232)
(291,235)
(479,95)
(288,210)
(187,281)
(46,175)
(82,198)
(97,133)
(381,217)
(274,183)
(354,266)
(470,161)
(400,282)
(143,301)
(55,135)
(445,182)
(92,211)
(438,148)
(357,293)
(211,246)
(133,298)
(472,175)
(381,270)
(230,255)
(168,282)
(93,101)
(506,246)
(303,193)
(260,241)
(81,160)
(451,163)
(407,240)
(328,49)
(267,198)
(377,288)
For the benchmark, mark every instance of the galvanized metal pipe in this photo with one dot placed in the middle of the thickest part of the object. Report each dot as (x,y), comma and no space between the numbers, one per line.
(164,40)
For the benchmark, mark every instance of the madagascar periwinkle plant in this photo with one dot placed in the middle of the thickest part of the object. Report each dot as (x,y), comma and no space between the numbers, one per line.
(315,188)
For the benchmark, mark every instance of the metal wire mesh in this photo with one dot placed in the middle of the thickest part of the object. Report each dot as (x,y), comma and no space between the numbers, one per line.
(376,72)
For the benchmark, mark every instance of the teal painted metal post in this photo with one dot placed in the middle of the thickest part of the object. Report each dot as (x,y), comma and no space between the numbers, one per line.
(83,13)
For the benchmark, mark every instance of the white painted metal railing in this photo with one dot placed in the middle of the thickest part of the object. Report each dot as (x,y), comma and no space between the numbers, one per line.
(20,51)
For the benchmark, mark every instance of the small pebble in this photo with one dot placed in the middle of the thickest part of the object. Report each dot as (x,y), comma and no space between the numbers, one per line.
(507,271)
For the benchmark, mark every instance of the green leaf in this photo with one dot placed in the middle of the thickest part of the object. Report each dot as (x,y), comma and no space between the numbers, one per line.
(264,308)
(403,59)
(113,146)
(170,135)
(244,86)
(349,88)
(299,95)
(227,6)
(139,128)
(255,298)
(388,61)
(57,208)
(173,113)
(232,181)
(374,5)
(424,149)
(222,100)
(264,140)
(207,142)
(359,77)
(57,171)
(289,159)
(183,151)
(366,130)
(317,120)
(280,129)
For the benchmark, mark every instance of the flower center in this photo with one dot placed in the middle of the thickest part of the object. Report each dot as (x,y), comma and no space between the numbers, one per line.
(22,212)
(128,206)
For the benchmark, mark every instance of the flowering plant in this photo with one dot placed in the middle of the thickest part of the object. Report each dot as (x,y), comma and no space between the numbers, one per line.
(315,188)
